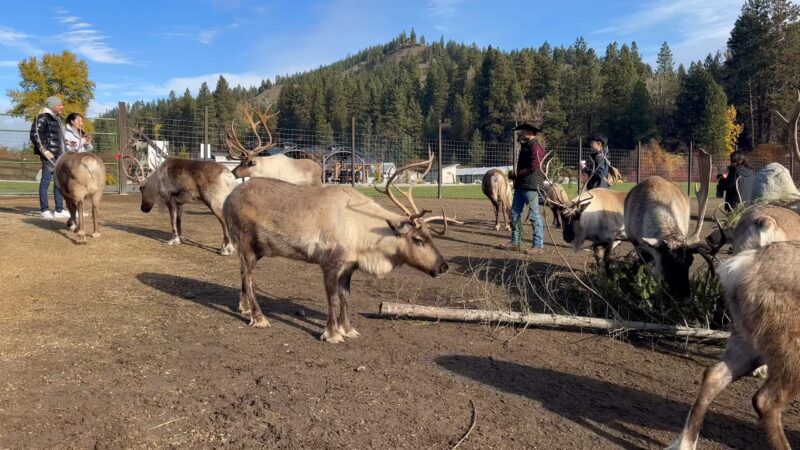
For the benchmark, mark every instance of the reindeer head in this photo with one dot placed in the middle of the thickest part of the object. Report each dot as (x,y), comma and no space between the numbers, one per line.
(134,171)
(235,148)
(673,258)
(416,247)
(571,217)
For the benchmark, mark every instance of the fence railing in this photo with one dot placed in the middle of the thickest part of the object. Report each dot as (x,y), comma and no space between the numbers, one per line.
(463,162)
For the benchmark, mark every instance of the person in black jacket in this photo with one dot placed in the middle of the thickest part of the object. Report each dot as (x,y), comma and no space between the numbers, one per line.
(47,136)
(528,178)
(597,171)
(738,184)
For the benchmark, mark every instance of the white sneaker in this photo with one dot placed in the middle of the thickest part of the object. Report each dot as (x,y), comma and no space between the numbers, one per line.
(64,214)
(46,214)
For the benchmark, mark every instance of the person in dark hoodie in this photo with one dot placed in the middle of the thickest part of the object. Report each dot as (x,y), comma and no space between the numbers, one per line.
(528,179)
(597,170)
(47,137)
(738,184)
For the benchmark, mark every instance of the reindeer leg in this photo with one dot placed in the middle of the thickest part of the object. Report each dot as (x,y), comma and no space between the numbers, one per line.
(332,333)
(497,215)
(248,304)
(770,401)
(507,217)
(79,218)
(95,213)
(740,358)
(344,292)
(72,222)
(227,246)
(556,217)
(174,219)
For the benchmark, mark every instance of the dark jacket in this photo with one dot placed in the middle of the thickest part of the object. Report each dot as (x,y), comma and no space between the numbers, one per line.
(47,134)
(597,178)
(529,175)
(745,178)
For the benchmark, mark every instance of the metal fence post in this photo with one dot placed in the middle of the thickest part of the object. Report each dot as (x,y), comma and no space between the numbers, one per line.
(353,152)
(580,157)
(439,181)
(689,172)
(638,161)
(514,149)
(122,131)
(206,147)
(791,163)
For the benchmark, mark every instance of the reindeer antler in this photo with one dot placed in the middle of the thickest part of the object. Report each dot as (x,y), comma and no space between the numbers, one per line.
(135,173)
(416,216)
(704,166)
(235,148)
(546,173)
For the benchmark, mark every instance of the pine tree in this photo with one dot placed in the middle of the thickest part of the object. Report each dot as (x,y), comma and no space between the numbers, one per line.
(477,150)
(225,105)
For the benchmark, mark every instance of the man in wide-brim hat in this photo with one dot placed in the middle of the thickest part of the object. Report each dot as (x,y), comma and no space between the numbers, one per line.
(528,178)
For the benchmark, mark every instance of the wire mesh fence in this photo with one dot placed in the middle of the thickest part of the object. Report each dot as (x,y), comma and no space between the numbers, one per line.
(360,156)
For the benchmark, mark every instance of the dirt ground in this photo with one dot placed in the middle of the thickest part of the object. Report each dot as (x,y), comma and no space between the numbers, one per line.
(125,342)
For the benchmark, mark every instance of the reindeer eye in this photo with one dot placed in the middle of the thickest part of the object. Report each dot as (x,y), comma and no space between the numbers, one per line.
(418,242)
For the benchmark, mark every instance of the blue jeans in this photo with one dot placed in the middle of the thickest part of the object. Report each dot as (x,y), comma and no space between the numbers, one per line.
(44,184)
(530,198)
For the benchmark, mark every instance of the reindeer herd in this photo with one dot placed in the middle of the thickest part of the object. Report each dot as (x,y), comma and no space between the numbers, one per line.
(284,211)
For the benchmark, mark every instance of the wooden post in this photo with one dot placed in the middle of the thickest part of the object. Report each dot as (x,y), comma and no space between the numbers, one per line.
(689,174)
(353,152)
(206,147)
(439,188)
(638,161)
(122,132)
(514,150)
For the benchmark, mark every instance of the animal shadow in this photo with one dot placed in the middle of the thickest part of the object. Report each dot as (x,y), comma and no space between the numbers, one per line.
(588,402)
(157,235)
(225,300)
(56,226)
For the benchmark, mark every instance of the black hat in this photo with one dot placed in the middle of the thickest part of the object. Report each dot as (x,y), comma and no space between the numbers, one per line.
(599,138)
(528,125)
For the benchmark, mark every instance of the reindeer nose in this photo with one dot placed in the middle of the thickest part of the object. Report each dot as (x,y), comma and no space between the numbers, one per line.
(443,268)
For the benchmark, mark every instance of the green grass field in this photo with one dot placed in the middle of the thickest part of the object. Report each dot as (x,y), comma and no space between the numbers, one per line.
(461,191)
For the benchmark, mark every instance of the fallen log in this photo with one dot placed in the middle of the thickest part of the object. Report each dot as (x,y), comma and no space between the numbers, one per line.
(550,320)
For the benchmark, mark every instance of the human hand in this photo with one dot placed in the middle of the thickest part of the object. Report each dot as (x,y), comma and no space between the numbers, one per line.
(88,138)
(48,154)
(512,175)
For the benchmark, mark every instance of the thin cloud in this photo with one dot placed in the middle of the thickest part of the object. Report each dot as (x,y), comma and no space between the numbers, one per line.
(87,41)
(443,8)
(694,29)
(201,35)
(18,41)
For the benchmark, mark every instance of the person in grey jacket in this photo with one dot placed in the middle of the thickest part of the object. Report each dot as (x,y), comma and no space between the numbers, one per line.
(47,137)
(597,171)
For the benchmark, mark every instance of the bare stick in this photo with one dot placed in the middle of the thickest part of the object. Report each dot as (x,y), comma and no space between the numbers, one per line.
(474,421)
(167,423)
(553,320)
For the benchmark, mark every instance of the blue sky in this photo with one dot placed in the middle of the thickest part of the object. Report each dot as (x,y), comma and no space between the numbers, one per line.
(142,50)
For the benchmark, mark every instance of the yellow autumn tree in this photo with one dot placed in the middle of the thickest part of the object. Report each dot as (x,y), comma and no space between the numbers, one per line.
(732,130)
(61,74)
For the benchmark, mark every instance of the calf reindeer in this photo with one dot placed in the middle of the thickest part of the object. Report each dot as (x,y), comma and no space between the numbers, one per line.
(333,226)
(496,187)
(177,182)
(764,299)
(80,176)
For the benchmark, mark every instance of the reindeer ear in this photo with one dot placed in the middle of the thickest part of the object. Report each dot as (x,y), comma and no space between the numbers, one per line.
(400,227)
(766,223)
(583,205)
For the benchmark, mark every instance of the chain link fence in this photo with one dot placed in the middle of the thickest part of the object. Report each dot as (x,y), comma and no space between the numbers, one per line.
(463,163)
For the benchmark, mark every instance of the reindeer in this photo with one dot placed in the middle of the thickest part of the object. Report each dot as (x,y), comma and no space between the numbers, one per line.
(763,298)
(657,221)
(78,176)
(336,227)
(297,171)
(596,215)
(177,182)
(497,187)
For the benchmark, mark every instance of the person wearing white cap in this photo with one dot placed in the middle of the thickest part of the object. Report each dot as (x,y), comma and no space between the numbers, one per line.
(47,136)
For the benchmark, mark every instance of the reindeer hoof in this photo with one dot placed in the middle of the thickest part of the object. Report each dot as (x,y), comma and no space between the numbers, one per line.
(333,338)
(497,227)
(261,322)
(82,233)
(352,333)
(174,241)
(508,227)
(95,235)
(227,250)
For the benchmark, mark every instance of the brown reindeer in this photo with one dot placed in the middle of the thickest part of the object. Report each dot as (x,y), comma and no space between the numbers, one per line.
(296,171)
(177,182)
(80,176)
(555,197)
(334,226)
(764,299)
(496,187)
